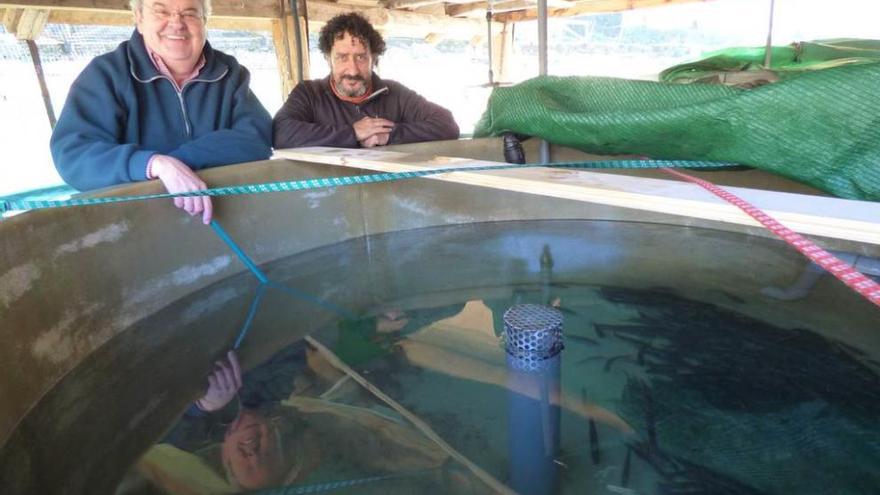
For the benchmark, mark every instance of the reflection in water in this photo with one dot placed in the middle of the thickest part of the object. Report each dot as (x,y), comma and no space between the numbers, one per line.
(672,396)
(695,389)
(297,421)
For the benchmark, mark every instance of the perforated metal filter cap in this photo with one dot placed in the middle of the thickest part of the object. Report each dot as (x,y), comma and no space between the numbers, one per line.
(533,331)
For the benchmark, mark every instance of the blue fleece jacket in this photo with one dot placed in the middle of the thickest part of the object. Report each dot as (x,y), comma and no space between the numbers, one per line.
(121,111)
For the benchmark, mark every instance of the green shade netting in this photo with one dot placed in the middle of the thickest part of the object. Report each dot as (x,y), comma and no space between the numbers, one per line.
(785,61)
(821,127)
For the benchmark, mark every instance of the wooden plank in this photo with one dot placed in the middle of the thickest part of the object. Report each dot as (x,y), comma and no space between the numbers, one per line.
(91,18)
(30,24)
(502,49)
(365,3)
(400,22)
(397,19)
(283,54)
(473,9)
(240,23)
(101,18)
(304,50)
(590,7)
(258,14)
(409,4)
(811,215)
(10,19)
(265,9)
(476,9)
(433,9)
(285,49)
(106,5)
(419,423)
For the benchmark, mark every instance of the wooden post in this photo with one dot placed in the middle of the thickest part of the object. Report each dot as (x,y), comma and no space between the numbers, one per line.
(27,25)
(41,78)
(502,51)
(282,53)
(304,53)
(286,51)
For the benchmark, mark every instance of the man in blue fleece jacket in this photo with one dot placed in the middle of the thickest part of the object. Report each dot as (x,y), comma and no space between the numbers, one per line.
(160,106)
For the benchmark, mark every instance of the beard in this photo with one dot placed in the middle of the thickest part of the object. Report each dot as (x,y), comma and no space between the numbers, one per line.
(345,91)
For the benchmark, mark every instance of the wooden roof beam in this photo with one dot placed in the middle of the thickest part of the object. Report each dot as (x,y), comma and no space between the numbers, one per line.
(103,18)
(25,24)
(362,3)
(478,9)
(257,14)
(409,4)
(434,9)
(589,7)
(261,9)
(401,22)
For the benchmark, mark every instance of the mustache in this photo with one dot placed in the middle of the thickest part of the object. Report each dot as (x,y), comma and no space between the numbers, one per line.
(353,78)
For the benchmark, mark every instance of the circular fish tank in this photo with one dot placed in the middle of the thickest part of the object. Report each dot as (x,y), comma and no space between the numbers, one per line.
(382,349)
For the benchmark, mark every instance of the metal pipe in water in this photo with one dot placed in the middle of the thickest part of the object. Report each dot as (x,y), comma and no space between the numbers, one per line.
(533,341)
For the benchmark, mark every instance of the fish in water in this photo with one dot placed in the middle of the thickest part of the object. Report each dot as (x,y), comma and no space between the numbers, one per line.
(624,474)
(594,443)
(611,361)
(594,434)
(581,339)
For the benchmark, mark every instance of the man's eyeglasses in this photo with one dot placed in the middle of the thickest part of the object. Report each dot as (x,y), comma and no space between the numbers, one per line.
(189,16)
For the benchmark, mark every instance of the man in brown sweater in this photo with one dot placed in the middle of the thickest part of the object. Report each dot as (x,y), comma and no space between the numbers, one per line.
(353,107)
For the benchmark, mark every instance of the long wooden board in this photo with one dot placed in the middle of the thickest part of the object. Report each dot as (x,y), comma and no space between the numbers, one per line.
(811,215)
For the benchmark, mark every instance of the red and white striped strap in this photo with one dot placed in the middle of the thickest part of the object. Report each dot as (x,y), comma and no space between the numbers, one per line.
(857,281)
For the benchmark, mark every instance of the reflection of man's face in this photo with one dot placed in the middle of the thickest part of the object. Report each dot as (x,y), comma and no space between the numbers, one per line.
(351,66)
(251,451)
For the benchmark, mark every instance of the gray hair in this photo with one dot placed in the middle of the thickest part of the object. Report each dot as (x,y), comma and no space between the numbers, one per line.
(137,5)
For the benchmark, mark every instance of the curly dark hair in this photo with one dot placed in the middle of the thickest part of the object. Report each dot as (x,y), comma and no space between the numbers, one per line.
(355,25)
